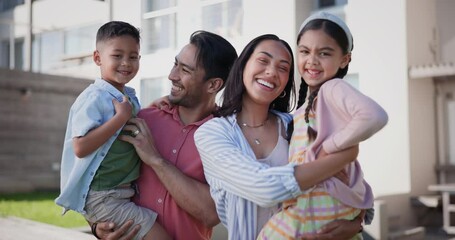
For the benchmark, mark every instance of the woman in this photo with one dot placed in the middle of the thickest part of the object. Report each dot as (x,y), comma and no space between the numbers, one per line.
(245,151)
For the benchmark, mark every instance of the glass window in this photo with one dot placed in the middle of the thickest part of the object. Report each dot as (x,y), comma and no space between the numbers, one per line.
(153,88)
(51,49)
(223,18)
(19,54)
(318,4)
(4,54)
(154,5)
(9,4)
(159,33)
(80,40)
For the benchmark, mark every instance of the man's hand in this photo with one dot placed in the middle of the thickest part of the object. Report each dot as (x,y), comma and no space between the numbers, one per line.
(143,141)
(107,231)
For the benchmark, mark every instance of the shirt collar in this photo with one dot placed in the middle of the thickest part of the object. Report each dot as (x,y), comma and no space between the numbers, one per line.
(174,111)
(103,84)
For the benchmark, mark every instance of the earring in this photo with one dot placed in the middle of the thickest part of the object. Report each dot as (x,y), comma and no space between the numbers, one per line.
(283,95)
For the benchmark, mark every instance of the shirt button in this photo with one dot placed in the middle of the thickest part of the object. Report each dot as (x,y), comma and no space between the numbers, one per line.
(160,200)
(174,151)
(184,130)
(92,173)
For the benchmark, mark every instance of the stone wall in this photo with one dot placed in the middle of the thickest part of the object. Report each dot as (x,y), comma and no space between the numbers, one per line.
(33,115)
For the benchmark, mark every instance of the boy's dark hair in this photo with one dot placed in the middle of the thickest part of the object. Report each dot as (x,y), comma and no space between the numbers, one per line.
(214,54)
(339,35)
(116,29)
(232,96)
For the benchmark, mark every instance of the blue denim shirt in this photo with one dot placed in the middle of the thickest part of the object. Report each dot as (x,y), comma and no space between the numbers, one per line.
(92,108)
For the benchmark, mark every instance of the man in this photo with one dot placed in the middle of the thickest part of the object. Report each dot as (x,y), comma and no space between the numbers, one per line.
(172,181)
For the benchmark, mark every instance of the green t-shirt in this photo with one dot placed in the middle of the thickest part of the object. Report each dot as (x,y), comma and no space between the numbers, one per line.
(120,166)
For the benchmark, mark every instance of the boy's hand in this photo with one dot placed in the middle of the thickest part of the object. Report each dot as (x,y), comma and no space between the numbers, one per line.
(123,109)
(161,103)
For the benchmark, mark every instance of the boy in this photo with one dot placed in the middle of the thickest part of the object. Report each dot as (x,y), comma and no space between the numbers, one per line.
(97,168)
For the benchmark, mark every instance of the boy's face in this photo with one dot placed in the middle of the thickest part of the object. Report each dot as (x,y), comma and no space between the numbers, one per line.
(118,59)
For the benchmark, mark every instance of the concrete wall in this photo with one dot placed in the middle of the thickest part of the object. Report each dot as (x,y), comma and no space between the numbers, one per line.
(33,115)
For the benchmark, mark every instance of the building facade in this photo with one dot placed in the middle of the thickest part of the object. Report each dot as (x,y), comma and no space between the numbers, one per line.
(403,58)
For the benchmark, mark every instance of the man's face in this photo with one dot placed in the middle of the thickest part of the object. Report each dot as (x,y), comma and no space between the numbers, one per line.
(188,85)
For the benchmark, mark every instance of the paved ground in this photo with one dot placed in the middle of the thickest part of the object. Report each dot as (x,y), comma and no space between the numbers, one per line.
(13,228)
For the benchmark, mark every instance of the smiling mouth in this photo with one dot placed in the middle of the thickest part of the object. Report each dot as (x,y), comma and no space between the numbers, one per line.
(125,72)
(266,84)
(176,88)
(313,73)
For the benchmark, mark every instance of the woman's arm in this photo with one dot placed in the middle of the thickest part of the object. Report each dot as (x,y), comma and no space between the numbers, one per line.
(326,166)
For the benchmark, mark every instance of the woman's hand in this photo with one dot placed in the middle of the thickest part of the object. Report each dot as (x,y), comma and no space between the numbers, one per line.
(107,231)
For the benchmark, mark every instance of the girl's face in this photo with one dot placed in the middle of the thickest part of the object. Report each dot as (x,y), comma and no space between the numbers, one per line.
(267,72)
(319,57)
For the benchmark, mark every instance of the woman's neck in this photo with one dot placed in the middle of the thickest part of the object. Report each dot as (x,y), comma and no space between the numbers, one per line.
(252,114)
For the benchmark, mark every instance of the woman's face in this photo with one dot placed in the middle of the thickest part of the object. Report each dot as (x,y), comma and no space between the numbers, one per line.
(319,57)
(267,72)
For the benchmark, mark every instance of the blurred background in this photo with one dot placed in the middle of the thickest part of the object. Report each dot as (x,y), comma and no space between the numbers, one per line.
(403,57)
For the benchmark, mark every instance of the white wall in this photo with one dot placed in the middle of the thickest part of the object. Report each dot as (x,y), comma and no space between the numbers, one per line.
(379,57)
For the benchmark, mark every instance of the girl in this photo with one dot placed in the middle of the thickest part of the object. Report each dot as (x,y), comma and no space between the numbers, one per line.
(334,117)
(244,151)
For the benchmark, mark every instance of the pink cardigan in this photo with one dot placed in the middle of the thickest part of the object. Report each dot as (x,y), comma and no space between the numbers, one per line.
(344,118)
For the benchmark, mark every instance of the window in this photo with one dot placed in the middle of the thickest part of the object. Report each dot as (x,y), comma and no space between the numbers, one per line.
(155,5)
(319,4)
(6,5)
(153,88)
(18,54)
(4,54)
(80,40)
(224,18)
(159,33)
(48,47)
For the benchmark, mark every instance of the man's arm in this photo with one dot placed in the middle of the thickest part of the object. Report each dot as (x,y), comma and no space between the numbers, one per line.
(190,194)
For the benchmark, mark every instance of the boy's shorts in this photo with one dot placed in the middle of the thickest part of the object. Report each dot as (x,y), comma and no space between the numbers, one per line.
(116,206)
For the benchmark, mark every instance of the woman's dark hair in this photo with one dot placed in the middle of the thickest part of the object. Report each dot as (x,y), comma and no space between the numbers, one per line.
(232,96)
(214,54)
(337,33)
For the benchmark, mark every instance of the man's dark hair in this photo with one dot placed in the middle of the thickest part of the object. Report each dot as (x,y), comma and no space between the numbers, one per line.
(214,54)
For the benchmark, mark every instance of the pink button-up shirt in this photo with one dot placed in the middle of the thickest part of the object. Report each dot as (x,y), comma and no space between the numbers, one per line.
(175,143)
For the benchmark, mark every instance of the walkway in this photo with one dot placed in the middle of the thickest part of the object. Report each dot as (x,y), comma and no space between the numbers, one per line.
(13,228)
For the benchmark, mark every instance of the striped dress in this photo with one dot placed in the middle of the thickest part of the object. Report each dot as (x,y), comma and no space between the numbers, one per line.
(315,207)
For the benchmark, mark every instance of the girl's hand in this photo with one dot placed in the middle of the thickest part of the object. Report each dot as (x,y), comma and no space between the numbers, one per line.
(161,103)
